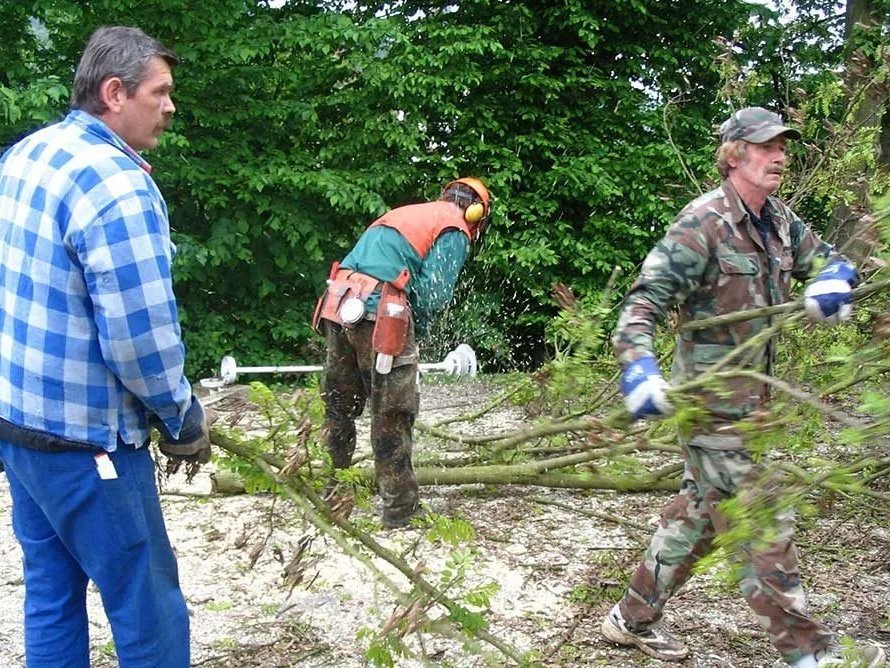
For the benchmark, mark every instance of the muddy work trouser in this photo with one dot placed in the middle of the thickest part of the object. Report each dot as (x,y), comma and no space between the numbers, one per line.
(349,382)
(770,580)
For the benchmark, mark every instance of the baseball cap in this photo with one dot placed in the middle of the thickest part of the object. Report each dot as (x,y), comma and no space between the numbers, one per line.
(755,125)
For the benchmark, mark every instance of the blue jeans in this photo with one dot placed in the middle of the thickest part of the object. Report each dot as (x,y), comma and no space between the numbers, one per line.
(73,527)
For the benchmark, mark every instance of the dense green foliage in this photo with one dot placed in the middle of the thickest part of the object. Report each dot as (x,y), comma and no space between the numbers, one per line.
(296,125)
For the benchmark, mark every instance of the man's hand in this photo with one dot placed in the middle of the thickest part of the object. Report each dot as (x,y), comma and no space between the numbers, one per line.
(644,388)
(193,444)
(829,298)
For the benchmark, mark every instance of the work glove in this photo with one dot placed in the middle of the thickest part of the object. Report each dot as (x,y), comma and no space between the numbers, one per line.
(193,444)
(829,298)
(644,388)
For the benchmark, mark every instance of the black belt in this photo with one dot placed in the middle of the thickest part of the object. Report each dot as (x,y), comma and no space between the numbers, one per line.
(34,439)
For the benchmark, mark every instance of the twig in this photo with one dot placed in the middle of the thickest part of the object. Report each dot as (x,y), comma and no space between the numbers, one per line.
(487,408)
(609,517)
(185,495)
(877,475)
(797,393)
(513,437)
(855,380)
(767,311)
(315,510)
(678,154)
(823,479)
(507,475)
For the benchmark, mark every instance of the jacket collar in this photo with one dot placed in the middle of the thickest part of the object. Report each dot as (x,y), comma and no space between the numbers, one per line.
(735,208)
(96,127)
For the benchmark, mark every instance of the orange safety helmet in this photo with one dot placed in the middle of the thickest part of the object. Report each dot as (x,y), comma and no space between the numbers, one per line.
(476,215)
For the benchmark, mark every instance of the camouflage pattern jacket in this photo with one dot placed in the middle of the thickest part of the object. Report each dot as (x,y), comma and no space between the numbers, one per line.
(712,261)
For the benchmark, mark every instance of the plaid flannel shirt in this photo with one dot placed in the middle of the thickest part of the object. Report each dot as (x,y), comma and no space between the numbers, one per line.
(90,343)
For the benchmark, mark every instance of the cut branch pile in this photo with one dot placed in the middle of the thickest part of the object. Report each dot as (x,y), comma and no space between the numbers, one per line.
(576,451)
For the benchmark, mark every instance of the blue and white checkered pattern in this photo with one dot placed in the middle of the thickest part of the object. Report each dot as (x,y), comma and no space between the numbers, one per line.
(90,342)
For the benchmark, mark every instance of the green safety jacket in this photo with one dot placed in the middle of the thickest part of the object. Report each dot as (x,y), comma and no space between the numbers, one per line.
(430,240)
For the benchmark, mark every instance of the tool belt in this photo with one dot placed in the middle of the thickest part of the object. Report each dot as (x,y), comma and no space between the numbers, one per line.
(343,302)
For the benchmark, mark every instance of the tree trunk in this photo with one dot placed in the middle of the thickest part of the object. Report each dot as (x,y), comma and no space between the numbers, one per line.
(226,483)
(862,17)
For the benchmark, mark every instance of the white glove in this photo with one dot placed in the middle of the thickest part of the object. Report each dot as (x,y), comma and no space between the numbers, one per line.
(644,388)
(829,298)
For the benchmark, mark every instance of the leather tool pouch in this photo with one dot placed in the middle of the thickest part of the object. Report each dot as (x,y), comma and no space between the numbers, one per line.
(347,289)
(320,304)
(393,317)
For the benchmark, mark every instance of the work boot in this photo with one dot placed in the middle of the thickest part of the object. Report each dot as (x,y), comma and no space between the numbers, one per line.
(654,642)
(866,656)
(399,497)
(397,518)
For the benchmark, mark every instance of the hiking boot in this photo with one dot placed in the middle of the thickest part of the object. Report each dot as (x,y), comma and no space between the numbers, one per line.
(866,656)
(654,642)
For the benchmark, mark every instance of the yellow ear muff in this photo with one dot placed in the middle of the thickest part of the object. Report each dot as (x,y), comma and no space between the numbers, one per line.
(474,213)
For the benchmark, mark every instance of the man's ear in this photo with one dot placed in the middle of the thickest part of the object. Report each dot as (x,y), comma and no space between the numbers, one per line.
(113,93)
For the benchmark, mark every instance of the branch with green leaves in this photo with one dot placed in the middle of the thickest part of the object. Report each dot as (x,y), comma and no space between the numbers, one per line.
(458,622)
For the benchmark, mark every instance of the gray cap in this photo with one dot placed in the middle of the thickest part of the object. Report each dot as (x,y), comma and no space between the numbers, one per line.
(755,125)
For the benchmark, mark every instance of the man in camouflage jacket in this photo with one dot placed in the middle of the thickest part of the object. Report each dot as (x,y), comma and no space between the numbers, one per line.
(732,249)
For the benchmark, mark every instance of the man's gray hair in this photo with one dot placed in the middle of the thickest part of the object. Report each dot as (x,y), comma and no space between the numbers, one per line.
(735,149)
(115,51)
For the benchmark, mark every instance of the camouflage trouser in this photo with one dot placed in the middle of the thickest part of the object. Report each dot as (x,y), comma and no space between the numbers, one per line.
(349,382)
(770,580)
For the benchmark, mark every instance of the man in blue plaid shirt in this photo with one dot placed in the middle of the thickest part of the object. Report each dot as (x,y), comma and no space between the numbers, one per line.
(90,356)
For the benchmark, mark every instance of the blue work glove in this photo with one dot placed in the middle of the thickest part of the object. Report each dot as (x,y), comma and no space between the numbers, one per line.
(829,298)
(644,388)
